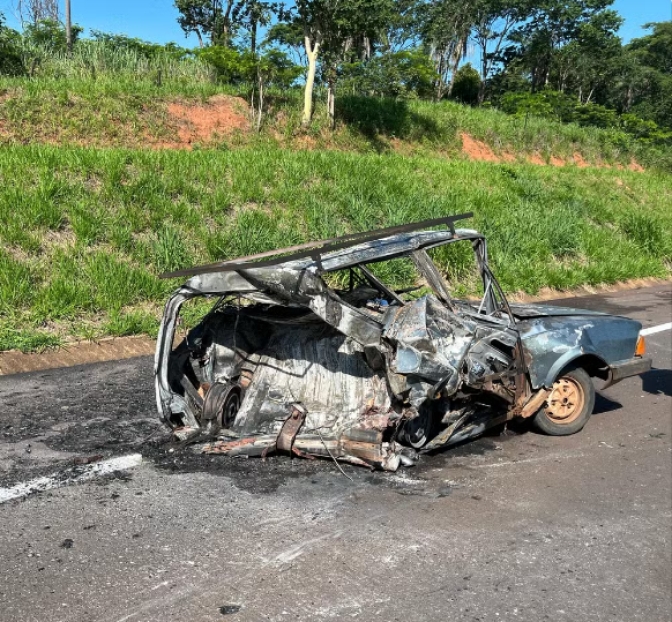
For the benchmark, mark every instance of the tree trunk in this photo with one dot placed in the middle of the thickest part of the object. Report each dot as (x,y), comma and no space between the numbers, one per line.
(68,27)
(311,53)
(253,38)
(260,98)
(457,56)
(439,82)
(331,95)
(629,98)
(484,75)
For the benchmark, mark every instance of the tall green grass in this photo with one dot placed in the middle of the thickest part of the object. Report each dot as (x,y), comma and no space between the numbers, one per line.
(116,68)
(84,233)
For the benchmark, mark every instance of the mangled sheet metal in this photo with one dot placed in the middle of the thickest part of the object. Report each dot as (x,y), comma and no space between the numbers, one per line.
(287,363)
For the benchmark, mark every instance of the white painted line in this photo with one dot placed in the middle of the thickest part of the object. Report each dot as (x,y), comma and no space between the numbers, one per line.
(72,475)
(656,329)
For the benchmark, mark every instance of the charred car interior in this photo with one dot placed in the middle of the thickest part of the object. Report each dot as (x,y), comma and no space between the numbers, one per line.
(308,351)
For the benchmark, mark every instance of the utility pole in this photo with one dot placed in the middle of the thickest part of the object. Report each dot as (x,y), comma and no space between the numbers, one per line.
(68,26)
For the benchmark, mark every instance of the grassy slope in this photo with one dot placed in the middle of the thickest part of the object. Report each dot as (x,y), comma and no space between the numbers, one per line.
(84,232)
(121,111)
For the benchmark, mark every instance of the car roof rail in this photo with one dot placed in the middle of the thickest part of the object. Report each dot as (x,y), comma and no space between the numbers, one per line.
(314,249)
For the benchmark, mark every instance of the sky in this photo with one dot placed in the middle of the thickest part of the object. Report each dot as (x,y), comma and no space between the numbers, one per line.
(156,20)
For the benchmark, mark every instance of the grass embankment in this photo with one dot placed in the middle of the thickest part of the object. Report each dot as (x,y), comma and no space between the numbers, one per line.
(120,111)
(84,232)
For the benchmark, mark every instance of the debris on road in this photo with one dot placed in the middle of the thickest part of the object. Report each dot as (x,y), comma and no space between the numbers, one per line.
(311,351)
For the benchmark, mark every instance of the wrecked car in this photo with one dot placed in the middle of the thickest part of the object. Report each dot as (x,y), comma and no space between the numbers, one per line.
(308,351)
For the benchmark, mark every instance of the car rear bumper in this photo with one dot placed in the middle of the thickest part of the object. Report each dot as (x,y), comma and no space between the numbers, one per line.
(624,369)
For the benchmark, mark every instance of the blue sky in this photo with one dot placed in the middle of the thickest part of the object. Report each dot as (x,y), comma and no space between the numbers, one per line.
(155,20)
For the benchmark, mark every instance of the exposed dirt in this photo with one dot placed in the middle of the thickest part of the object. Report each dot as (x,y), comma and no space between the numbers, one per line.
(201,123)
(477,150)
(579,161)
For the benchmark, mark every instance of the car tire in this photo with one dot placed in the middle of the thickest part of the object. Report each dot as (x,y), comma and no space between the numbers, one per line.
(222,402)
(569,405)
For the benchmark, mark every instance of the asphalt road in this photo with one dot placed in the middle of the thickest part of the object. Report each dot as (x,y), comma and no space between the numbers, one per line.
(515,527)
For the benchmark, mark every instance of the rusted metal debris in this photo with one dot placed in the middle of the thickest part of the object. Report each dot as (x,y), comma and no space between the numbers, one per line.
(314,355)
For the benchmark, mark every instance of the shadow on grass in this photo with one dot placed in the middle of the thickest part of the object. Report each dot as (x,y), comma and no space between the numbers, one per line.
(374,118)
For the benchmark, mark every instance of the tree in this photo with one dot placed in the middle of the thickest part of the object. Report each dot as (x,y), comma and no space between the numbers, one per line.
(552,24)
(447,25)
(650,87)
(11,61)
(466,85)
(253,14)
(211,19)
(405,28)
(585,64)
(50,35)
(34,11)
(337,28)
(493,24)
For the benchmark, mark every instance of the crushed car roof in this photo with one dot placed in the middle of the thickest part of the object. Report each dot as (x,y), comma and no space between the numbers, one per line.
(348,250)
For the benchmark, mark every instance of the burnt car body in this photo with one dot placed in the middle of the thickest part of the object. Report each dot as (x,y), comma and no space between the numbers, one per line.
(286,361)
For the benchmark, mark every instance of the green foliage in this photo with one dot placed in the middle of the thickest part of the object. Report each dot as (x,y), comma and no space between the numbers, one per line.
(11,61)
(650,77)
(560,106)
(236,67)
(466,85)
(112,66)
(27,339)
(202,17)
(407,73)
(232,66)
(138,47)
(49,35)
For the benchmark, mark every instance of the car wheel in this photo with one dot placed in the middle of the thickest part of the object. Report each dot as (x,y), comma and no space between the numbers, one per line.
(569,405)
(417,432)
(222,402)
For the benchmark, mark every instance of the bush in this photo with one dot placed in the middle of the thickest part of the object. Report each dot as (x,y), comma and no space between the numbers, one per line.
(407,74)
(49,35)
(139,47)
(466,85)
(11,61)
(236,67)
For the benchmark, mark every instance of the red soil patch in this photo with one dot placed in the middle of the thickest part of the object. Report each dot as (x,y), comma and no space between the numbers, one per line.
(477,150)
(201,123)
(557,161)
(634,166)
(579,161)
(535,158)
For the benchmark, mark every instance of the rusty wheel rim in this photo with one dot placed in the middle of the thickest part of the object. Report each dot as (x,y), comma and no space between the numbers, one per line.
(566,401)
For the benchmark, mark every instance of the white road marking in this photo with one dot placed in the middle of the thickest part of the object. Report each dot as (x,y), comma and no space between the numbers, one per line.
(656,329)
(70,476)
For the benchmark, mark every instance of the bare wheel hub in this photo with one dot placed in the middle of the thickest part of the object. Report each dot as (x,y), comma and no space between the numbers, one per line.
(566,401)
